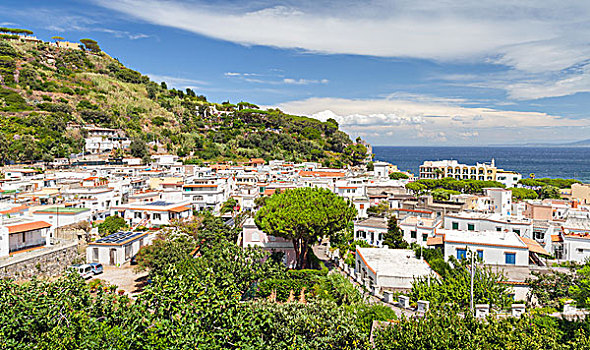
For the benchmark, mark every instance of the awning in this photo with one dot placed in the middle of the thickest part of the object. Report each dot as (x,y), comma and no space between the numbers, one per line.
(534,246)
(179,209)
(29,226)
(431,241)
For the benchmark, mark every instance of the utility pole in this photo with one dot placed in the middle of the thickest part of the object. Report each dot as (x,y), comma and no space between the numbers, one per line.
(472,276)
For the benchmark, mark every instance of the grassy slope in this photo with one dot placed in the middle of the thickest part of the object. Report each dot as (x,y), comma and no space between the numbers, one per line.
(45,90)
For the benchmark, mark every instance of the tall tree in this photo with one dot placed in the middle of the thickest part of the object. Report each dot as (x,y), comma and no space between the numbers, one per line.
(303,215)
(57,39)
(394,238)
(90,45)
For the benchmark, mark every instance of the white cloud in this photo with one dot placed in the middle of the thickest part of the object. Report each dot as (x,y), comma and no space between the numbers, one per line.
(386,121)
(301,81)
(534,37)
(273,79)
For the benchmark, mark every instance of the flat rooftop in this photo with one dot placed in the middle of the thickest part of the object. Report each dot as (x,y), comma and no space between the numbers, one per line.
(394,262)
(489,238)
(61,210)
(373,222)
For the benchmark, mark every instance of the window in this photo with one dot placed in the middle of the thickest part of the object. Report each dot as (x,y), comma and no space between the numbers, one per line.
(471,227)
(498,228)
(424,237)
(461,254)
(157,216)
(455,225)
(480,254)
(95,254)
(510,258)
(517,231)
(413,234)
(137,215)
(362,206)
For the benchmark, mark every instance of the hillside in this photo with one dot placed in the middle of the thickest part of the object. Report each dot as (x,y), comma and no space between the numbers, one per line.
(47,93)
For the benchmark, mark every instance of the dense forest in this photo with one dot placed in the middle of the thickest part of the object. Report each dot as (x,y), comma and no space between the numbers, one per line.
(47,92)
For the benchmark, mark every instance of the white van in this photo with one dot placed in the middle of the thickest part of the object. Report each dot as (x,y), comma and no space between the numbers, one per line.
(84,270)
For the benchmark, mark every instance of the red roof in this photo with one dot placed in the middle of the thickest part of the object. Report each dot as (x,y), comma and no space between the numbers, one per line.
(14,210)
(29,226)
(321,174)
(180,209)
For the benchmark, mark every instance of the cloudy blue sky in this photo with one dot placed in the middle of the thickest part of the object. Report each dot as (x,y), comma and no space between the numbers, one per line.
(396,72)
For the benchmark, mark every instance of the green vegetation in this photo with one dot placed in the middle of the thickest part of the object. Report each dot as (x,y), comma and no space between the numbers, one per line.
(454,286)
(394,237)
(542,188)
(57,88)
(110,225)
(450,186)
(444,329)
(303,215)
(523,193)
(541,182)
(398,176)
(379,210)
(207,293)
(90,45)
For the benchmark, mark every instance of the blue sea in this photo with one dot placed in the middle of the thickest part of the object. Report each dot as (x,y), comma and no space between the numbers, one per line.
(557,162)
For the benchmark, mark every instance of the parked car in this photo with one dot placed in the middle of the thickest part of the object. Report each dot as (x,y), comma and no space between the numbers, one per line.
(96,268)
(84,270)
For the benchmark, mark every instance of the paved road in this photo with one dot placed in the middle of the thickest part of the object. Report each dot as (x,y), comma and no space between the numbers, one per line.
(124,278)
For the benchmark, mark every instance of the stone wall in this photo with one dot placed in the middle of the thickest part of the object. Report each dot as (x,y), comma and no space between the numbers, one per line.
(44,262)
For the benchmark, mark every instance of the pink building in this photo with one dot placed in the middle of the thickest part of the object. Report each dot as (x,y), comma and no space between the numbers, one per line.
(252,236)
(538,211)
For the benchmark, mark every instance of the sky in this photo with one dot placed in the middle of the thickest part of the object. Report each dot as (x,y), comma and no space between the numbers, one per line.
(394,72)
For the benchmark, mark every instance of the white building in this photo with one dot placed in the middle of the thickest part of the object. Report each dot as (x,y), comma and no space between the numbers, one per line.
(381,170)
(206,194)
(371,230)
(118,248)
(418,229)
(159,213)
(494,248)
(472,221)
(102,144)
(62,216)
(501,200)
(18,234)
(508,178)
(574,242)
(393,269)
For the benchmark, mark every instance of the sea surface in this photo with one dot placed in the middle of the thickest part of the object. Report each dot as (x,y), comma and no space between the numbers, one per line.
(556,162)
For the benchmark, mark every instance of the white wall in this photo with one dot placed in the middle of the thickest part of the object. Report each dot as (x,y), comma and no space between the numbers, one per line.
(492,255)
(576,248)
(373,238)
(483,224)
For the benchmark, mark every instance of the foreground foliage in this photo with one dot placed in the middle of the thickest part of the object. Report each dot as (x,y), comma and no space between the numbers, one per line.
(445,329)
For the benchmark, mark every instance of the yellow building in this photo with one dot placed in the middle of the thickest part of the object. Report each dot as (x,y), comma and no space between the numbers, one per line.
(581,192)
(452,168)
